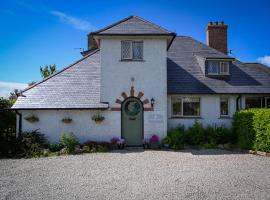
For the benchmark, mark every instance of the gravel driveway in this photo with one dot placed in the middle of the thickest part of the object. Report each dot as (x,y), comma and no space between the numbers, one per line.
(189,174)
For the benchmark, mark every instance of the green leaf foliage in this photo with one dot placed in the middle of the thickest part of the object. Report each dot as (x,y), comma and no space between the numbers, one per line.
(252,127)
(69,141)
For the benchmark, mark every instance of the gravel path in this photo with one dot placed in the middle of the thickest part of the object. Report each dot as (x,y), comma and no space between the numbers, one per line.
(189,174)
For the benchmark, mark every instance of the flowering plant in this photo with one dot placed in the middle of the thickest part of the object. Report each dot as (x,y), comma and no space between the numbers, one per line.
(154,138)
(121,141)
(115,140)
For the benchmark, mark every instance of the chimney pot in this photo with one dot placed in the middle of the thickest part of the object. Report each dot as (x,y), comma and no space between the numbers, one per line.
(216,23)
(210,24)
(221,23)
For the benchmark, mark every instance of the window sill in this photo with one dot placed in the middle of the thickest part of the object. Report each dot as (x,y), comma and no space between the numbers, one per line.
(186,117)
(131,60)
(225,117)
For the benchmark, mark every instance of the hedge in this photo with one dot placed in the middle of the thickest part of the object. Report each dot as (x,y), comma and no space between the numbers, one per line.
(253,129)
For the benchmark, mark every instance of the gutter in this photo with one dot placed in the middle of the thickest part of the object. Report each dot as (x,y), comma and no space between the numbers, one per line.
(20,122)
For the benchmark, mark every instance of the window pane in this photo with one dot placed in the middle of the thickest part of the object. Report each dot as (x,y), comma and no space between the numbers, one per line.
(137,49)
(126,49)
(176,106)
(212,67)
(224,106)
(191,106)
(224,67)
(253,102)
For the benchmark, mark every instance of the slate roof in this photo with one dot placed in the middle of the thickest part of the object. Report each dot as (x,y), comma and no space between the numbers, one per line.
(78,85)
(133,25)
(74,87)
(185,76)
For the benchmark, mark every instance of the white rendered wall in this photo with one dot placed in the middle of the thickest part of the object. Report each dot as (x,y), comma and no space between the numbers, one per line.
(82,125)
(210,112)
(150,78)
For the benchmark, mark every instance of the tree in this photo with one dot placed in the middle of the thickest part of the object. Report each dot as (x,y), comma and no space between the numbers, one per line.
(14,95)
(31,83)
(47,70)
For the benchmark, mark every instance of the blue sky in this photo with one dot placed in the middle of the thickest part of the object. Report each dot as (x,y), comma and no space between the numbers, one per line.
(35,33)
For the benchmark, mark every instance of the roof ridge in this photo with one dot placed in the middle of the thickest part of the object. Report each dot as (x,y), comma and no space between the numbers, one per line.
(62,70)
(152,23)
(112,25)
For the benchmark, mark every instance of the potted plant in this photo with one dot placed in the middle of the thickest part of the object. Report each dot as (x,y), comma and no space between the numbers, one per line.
(66,120)
(114,142)
(32,118)
(121,143)
(154,142)
(146,144)
(98,118)
(166,142)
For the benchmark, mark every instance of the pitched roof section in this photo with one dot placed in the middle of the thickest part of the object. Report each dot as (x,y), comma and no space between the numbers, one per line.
(75,87)
(186,76)
(133,25)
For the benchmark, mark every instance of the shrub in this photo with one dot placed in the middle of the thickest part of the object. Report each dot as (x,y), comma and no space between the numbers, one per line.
(253,129)
(175,138)
(55,147)
(196,134)
(219,135)
(7,128)
(31,144)
(69,141)
(97,146)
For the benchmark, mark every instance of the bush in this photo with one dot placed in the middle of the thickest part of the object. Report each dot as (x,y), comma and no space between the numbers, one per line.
(31,144)
(197,135)
(69,141)
(175,138)
(253,129)
(97,146)
(7,128)
(55,147)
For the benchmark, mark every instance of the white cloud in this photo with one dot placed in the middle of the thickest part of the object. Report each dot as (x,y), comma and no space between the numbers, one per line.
(73,21)
(7,87)
(264,60)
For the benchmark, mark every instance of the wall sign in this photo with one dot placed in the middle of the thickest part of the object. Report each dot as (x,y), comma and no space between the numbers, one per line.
(155,118)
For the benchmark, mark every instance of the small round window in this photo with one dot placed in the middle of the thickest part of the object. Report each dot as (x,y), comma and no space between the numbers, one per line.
(132,108)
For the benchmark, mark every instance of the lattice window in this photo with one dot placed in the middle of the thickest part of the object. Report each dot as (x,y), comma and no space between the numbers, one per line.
(126,49)
(132,50)
(137,49)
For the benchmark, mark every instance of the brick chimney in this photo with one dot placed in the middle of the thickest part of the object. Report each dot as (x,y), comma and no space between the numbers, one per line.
(216,36)
(92,44)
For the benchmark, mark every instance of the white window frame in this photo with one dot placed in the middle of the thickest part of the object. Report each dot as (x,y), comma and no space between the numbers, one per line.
(182,107)
(227,67)
(131,50)
(211,73)
(228,100)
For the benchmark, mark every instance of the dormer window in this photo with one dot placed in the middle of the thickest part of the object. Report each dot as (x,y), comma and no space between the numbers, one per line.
(215,67)
(212,67)
(132,50)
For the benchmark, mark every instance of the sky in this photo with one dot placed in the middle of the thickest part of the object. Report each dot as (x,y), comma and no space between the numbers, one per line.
(34,33)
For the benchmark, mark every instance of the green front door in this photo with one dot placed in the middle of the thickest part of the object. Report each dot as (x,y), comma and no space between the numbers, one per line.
(132,121)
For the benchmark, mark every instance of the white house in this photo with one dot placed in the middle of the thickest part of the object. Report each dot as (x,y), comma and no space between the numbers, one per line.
(143,79)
